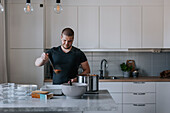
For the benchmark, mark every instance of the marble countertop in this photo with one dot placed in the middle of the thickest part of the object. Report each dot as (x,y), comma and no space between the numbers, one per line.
(89,102)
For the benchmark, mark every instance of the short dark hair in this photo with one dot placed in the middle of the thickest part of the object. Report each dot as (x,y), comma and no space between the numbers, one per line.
(68,32)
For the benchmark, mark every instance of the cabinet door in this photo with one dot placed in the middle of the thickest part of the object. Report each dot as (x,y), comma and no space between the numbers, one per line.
(111,86)
(152,35)
(138,108)
(134,87)
(55,23)
(25,30)
(131,27)
(139,98)
(166,24)
(22,68)
(109,27)
(88,27)
(162,97)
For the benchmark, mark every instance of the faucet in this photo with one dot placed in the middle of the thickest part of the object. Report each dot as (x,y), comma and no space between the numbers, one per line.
(103,68)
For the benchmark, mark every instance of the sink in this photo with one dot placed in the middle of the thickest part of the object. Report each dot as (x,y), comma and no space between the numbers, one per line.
(111,77)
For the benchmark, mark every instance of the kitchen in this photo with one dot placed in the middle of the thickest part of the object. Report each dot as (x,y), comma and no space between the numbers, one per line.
(115,30)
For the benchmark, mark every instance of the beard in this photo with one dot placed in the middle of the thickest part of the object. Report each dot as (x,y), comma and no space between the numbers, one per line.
(66,47)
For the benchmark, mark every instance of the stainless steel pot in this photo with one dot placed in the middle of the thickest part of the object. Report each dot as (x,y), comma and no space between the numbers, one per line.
(91,80)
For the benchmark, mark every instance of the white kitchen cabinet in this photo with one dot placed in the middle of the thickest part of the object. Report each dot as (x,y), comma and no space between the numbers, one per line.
(138,108)
(166,24)
(22,68)
(152,32)
(131,27)
(115,90)
(25,30)
(109,27)
(88,27)
(55,23)
(139,97)
(135,87)
(162,97)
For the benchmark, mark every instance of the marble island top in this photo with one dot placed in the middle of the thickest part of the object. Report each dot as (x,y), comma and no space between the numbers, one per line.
(89,102)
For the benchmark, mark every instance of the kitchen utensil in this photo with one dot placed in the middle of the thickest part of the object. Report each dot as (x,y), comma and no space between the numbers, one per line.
(74,91)
(91,79)
(70,82)
(55,70)
(131,63)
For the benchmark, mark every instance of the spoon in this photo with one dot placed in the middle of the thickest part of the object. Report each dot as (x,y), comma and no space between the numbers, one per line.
(55,70)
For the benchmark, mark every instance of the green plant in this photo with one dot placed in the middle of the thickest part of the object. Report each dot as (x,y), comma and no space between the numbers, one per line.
(125,67)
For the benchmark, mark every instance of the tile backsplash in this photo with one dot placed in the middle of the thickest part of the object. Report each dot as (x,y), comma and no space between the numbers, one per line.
(149,64)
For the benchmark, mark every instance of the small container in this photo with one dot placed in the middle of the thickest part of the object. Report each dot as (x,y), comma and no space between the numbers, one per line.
(135,73)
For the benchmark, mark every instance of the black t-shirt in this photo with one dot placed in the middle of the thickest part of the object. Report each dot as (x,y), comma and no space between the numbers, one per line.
(67,62)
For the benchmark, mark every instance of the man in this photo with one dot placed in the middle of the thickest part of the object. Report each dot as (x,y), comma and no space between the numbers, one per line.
(67,57)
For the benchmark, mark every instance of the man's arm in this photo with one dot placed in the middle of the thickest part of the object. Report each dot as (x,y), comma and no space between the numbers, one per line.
(42,60)
(86,68)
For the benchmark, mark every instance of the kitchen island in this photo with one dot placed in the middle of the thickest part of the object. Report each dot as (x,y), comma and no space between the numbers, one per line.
(89,103)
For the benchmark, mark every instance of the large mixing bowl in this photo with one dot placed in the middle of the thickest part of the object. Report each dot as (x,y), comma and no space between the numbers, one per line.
(76,90)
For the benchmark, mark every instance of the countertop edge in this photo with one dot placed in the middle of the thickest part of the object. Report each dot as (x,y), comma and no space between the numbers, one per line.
(131,79)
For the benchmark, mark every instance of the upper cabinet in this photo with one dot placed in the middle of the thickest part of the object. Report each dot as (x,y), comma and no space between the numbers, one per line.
(55,23)
(88,27)
(109,27)
(25,30)
(166,24)
(131,27)
(152,35)
(98,24)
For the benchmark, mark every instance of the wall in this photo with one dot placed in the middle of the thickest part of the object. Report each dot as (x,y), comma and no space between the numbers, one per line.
(149,64)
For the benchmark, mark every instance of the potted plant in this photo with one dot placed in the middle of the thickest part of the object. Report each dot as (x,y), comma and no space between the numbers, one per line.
(126,69)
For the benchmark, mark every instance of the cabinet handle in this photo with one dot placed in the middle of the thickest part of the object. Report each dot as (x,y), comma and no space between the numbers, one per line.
(139,82)
(139,93)
(138,104)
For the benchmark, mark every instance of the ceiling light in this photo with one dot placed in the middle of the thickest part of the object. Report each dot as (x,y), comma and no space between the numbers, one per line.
(57,8)
(1,7)
(28,8)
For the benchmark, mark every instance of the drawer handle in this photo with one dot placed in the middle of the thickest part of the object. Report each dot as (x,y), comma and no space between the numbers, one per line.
(139,82)
(139,93)
(138,104)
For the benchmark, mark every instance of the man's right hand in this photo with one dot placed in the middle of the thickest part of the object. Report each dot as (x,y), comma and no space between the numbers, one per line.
(42,60)
(44,56)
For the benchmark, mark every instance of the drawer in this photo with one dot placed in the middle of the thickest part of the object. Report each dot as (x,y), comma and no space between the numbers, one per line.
(138,86)
(138,97)
(138,108)
(111,86)
(117,97)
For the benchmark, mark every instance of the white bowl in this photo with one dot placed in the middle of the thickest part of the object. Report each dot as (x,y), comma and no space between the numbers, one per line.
(74,91)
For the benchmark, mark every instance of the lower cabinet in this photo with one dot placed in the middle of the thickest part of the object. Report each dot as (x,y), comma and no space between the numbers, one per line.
(132,97)
(163,97)
(139,97)
(115,90)
(138,108)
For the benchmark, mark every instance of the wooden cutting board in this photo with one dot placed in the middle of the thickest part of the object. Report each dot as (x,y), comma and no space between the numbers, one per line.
(131,63)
